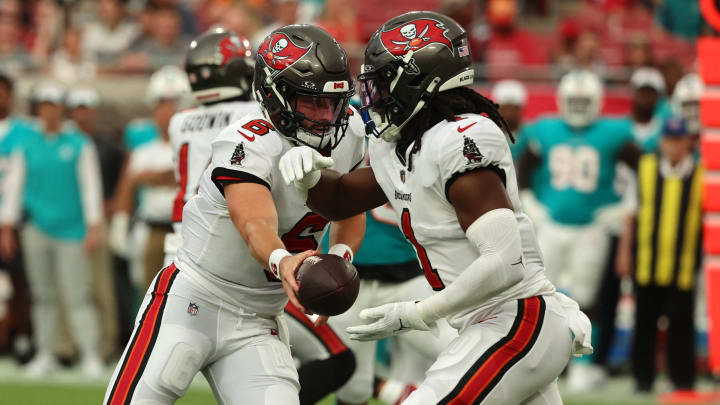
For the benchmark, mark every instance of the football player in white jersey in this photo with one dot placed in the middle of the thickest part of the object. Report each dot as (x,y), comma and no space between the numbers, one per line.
(219,65)
(217,309)
(443,163)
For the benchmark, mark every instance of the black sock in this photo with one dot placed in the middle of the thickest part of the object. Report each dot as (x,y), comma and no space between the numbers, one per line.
(321,377)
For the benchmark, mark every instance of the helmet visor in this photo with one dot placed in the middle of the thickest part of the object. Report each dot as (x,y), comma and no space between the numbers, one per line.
(375,98)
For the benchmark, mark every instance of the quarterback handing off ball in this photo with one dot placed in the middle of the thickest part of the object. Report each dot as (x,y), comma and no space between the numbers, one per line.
(328,284)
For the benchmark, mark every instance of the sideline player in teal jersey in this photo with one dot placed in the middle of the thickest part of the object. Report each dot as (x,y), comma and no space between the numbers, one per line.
(649,108)
(511,97)
(570,167)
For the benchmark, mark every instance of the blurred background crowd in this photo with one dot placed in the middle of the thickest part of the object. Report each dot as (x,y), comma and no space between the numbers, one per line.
(82,69)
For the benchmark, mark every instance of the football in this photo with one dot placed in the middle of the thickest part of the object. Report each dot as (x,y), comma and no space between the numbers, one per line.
(328,284)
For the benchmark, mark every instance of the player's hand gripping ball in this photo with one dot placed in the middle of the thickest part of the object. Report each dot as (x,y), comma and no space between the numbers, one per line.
(328,284)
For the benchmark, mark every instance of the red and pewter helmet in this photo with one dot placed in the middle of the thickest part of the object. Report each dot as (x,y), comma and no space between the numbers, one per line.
(408,60)
(303,61)
(219,65)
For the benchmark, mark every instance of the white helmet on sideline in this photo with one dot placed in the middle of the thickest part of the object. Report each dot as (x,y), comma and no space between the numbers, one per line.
(580,97)
(168,82)
(685,101)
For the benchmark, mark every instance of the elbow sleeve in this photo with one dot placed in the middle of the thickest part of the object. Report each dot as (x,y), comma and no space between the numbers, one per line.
(497,237)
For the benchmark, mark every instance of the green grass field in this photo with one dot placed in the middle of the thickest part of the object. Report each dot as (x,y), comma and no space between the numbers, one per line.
(61,394)
(68,387)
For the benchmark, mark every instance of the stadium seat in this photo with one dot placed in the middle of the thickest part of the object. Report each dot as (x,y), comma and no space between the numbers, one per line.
(709,59)
(711,201)
(711,234)
(712,288)
(710,150)
(710,108)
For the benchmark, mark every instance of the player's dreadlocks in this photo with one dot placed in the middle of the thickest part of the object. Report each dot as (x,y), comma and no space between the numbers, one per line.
(446,106)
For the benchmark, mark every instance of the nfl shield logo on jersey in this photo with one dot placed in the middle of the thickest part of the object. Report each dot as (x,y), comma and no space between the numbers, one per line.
(402,176)
(193,309)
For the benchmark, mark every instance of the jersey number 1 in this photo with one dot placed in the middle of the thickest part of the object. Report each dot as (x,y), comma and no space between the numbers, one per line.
(431,274)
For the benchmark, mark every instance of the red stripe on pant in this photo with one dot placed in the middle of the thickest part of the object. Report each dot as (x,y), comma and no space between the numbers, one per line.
(141,346)
(489,369)
(324,333)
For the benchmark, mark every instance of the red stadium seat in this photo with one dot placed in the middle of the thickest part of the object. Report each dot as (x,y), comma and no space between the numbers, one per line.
(712,288)
(710,108)
(711,237)
(712,193)
(709,59)
(710,150)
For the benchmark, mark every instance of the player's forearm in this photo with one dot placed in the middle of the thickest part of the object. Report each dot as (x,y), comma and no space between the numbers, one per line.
(261,239)
(12,190)
(499,267)
(124,197)
(164,178)
(339,197)
(349,231)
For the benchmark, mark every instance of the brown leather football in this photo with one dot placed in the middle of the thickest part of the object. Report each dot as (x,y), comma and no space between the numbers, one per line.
(328,284)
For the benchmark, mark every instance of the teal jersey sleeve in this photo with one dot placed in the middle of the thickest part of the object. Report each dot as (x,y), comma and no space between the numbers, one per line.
(16,133)
(139,132)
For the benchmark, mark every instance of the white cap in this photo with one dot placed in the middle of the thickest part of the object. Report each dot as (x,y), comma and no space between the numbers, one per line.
(168,82)
(82,97)
(509,92)
(648,77)
(48,91)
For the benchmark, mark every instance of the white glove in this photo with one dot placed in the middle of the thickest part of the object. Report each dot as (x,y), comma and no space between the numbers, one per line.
(579,324)
(301,165)
(392,319)
(118,233)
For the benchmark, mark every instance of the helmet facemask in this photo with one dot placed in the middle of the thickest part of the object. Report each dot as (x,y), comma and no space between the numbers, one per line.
(578,111)
(383,113)
(315,119)
(579,98)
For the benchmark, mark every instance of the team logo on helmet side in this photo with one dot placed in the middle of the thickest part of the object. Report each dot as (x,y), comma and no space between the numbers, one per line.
(415,35)
(230,47)
(279,51)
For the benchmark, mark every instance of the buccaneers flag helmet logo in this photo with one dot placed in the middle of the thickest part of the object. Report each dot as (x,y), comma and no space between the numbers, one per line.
(415,35)
(231,47)
(279,51)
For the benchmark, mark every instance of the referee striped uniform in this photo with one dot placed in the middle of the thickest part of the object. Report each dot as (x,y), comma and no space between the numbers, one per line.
(667,252)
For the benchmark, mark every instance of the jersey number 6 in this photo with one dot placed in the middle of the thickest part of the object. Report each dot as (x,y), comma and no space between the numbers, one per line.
(259,127)
(294,240)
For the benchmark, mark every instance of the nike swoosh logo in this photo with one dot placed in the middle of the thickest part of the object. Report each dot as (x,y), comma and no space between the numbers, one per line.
(247,137)
(461,129)
(401,326)
(518,262)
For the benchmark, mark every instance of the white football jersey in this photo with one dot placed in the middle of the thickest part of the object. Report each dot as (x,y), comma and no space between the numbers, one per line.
(249,151)
(191,132)
(428,220)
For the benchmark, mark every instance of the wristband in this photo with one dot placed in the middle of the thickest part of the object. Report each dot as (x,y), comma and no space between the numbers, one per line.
(274,262)
(342,250)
